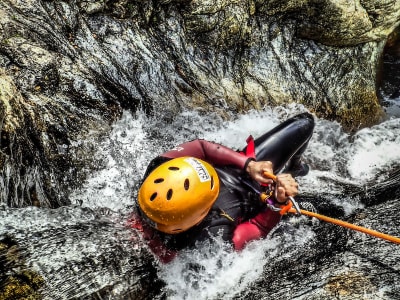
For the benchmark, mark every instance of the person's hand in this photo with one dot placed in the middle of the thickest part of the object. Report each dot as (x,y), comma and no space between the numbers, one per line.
(256,170)
(285,186)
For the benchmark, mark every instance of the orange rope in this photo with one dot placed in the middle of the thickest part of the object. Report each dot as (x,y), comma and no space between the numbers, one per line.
(374,233)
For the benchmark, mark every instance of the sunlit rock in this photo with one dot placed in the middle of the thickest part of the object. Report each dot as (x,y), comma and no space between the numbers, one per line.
(18,281)
(70,68)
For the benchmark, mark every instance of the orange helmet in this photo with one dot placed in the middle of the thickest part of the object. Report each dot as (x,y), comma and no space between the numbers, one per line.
(178,194)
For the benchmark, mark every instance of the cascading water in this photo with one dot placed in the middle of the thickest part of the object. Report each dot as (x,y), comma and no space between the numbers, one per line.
(92,57)
(86,250)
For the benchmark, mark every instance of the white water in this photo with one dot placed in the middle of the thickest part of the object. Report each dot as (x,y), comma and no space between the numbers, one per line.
(333,155)
(74,262)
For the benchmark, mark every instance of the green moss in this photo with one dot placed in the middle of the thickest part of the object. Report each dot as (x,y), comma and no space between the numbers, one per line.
(365,111)
(5,42)
(17,282)
(17,287)
(2,246)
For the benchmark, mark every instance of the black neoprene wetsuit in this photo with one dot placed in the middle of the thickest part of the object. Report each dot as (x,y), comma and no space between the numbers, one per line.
(283,146)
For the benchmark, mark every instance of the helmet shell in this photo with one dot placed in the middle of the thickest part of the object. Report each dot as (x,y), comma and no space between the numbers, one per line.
(178,194)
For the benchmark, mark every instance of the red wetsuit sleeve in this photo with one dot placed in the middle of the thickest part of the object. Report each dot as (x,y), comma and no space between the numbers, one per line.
(208,151)
(256,228)
(152,239)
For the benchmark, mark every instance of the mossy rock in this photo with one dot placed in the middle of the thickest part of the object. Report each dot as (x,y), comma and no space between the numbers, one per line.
(18,282)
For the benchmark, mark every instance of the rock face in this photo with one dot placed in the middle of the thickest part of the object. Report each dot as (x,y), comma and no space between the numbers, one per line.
(68,69)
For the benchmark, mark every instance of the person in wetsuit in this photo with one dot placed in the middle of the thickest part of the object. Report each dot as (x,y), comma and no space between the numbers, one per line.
(195,191)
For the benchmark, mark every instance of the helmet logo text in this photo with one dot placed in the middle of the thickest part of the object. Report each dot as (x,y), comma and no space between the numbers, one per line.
(199,168)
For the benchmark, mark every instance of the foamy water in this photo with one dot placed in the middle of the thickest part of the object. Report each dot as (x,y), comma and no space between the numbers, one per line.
(334,156)
(332,153)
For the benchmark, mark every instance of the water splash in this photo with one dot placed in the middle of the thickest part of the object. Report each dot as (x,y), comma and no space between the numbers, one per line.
(219,273)
(71,247)
(374,150)
(124,155)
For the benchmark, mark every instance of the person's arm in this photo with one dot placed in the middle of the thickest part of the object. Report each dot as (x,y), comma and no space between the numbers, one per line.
(213,153)
(218,154)
(255,229)
(259,226)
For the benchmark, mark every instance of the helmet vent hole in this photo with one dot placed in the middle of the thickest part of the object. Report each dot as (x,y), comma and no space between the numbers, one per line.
(173,168)
(186,184)
(212,182)
(153,196)
(169,194)
(159,180)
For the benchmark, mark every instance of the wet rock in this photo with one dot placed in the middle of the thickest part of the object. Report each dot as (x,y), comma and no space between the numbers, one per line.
(73,253)
(17,281)
(68,70)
